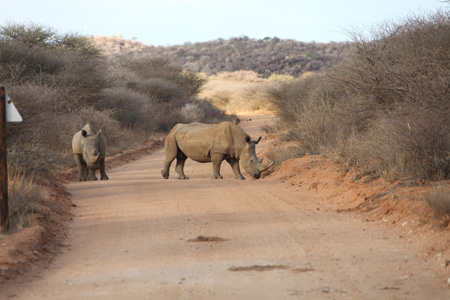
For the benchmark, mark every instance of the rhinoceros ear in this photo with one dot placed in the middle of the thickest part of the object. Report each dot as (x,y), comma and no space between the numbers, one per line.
(257,141)
(83,133)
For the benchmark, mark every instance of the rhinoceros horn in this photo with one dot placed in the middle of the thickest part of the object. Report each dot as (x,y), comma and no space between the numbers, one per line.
(267,166)
(96,158)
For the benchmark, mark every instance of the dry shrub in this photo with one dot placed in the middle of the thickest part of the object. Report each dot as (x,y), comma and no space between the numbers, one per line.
(397,84)
(161,89)
(24,195)
(280,154)
(120,76)
(153,95)
(289,97)
(193,82)
(438,199)
(385,108)
(306,108)
(69,61)
(21,63)
(213,114)
(82,76)
(242,76)
(280,77)
(317,128)
(406,145)
(153,68)
(165,80)
(221,99)
(191,112)
(128,106)
(271,127)
(241,91)
(252,99)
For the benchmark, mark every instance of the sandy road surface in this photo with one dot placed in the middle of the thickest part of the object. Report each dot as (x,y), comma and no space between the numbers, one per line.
(138,236)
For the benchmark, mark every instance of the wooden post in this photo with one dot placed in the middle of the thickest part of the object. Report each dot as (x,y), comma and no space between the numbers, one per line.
(4,212)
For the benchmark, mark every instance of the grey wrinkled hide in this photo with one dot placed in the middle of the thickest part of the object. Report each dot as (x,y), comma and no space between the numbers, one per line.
(89,152)
(212,143)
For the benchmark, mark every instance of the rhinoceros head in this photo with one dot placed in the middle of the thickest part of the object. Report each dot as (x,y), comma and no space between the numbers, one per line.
(89,143)
(250,162)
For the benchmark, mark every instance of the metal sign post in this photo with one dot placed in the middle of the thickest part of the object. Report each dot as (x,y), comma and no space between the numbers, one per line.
(8,113)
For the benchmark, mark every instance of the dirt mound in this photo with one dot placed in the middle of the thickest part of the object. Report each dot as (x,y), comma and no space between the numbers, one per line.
(398,204)
(32,248)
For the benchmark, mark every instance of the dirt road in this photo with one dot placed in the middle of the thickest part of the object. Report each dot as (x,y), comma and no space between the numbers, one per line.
(138,236)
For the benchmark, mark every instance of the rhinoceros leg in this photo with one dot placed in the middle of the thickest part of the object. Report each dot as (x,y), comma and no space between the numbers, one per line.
(234,163)
(171,153)
(85,171)
(181,159)
(216,160)
(91,175)
(103,175)
(166,168)
(81,166)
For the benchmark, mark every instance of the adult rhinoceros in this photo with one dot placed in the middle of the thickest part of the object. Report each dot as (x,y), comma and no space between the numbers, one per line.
(89,149)
(212,143)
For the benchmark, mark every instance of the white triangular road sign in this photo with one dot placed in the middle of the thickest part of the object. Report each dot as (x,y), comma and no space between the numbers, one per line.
(12,114)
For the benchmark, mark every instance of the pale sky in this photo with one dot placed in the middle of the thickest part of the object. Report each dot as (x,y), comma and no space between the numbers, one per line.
(174,22)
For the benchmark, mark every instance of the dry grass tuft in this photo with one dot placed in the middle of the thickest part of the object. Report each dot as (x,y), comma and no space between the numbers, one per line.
(24,195)
(280,154)
(439,200)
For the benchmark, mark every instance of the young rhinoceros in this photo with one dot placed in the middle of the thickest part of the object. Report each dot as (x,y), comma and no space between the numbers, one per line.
(89,150)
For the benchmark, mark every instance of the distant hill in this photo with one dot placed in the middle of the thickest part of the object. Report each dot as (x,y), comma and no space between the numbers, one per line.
(264,56)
